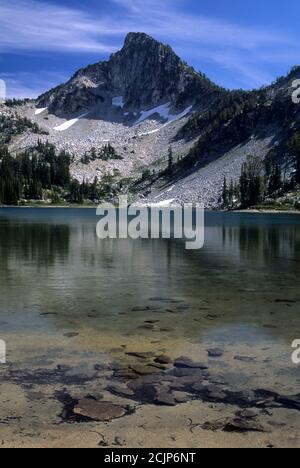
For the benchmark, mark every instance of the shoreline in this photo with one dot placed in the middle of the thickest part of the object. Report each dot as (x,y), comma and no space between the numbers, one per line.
(49,206)
(250,211)
(267,211)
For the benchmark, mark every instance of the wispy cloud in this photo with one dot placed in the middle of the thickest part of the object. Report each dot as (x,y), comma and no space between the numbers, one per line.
(166,19)
(35,26)
(31,25)
(246,69)
(244,50)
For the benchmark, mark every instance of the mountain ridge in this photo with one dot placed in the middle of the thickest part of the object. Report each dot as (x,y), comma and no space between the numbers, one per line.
(145,101)
(145,72)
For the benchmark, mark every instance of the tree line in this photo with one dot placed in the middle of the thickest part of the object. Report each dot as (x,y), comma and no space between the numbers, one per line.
(42,171)
(11,125)
(260,180)
(106,153)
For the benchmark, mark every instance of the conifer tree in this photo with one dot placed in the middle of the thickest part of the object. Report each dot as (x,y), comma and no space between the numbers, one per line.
(225,194)
(170,161)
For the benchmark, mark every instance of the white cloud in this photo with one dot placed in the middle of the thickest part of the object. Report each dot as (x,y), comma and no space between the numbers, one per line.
(167,20)
(34,26)
(245,51)
(31,25)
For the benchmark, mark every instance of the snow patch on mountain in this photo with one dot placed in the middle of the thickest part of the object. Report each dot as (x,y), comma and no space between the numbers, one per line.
(41,110)
(69,123)
(171,118)
(165,112)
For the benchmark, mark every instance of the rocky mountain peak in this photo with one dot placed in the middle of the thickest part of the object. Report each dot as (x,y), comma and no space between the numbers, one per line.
(147,72)
(144,74)
(137,43)
(135,39)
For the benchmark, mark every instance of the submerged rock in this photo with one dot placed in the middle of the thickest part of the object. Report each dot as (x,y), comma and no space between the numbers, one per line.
(122,391)
(163,359)
(146,309)
(119,442)
(242,425)
(185,362)
(89,409)
(98,410)
(144,369)
(71,335)
(166,300)
(146,327)
(141,355)
(233,425)
(247,414)
(164,397)
(82,372)
(153,383)
(245,358)
(291,402)
(215,352)
(125,374)
(286,301)
(153,393)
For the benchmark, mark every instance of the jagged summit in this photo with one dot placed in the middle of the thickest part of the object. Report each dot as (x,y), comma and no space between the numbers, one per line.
(136,38)
(137,41)
(144,74)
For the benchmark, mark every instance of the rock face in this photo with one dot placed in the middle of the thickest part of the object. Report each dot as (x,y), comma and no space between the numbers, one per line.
(148,73)
(143,75)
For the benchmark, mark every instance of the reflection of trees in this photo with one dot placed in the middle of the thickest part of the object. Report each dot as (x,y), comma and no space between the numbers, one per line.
(263,243)
(40,244)
(62,265)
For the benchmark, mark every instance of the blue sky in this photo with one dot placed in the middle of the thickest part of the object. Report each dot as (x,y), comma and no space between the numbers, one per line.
(238,44)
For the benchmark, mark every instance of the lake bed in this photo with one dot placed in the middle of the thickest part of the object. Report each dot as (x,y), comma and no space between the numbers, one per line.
(190,348)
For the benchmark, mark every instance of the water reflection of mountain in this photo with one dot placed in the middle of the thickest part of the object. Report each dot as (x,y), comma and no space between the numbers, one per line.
(57,239)
(53,259)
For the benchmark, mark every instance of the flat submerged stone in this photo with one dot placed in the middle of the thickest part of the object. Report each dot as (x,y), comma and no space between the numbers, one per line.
(185,362)
(141,355)
(215,352)
(163,359)
(98,410)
